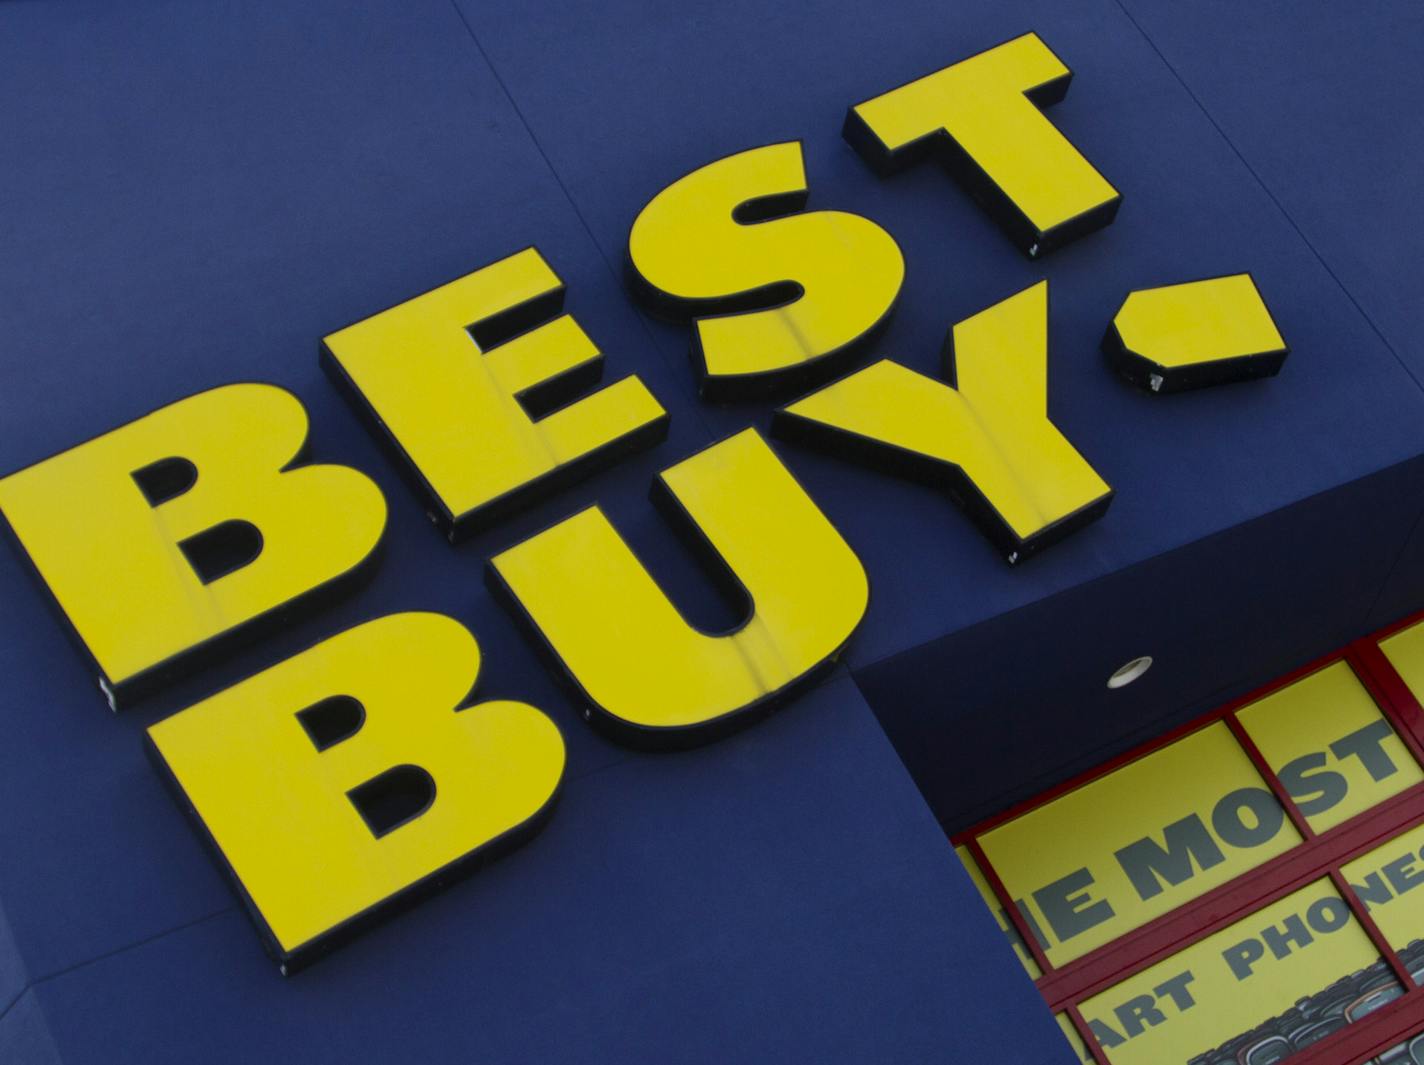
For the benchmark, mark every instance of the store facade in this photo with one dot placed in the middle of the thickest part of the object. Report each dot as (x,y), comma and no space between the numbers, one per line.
(612,536)
(1270,912)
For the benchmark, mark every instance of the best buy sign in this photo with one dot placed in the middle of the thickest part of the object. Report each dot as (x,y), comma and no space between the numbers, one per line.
(342,780)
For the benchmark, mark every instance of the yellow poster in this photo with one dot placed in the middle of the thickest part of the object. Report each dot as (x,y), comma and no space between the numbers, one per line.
(1162,830)
(1074,1039)
(1273,983)
(1137,843)
(1333,750)
(1387,880)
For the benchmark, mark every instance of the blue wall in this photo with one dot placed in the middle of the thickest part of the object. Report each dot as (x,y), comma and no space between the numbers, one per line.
(192,195)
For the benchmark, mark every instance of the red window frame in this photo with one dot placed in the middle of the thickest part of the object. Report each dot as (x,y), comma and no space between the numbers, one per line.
(1319,856)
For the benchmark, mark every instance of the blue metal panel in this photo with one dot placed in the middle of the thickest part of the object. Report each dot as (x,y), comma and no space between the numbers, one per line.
(195,195)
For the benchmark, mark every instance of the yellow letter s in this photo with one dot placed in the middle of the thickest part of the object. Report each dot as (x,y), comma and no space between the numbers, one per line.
(777,298)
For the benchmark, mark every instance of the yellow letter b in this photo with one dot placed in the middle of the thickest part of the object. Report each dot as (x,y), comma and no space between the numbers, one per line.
(169,534)
(347,780)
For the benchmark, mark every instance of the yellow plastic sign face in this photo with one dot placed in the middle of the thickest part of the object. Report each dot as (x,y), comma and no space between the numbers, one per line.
(163,539)
(454,379)
(648,675)
(986,440)
(1332,749)
(1133,845)
(1287,976)
(1191,335)
(1387,881)
(981,118)
(354,774)
(777,297)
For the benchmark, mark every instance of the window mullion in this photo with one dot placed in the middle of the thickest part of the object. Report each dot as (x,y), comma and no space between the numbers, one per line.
(1362,915)
(1362,1042)
(1389,690)
(1085,1033)
(1268,774)
(1009,906)
(1216,909)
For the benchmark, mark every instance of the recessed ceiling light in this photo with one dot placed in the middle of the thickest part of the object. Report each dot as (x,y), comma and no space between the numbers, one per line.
(1130,672)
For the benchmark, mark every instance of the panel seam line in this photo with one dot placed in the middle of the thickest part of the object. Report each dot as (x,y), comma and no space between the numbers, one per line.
(578,213)
(30,985)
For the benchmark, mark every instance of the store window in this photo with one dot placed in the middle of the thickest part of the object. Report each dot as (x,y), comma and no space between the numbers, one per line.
(1246,890)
